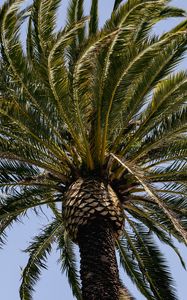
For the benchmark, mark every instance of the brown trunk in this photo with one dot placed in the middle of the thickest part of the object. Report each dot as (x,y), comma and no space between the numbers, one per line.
(99,270)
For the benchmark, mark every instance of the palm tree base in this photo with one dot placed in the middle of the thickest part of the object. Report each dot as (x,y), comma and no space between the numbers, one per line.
(99,270)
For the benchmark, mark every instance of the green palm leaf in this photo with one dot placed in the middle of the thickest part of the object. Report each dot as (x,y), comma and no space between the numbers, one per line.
(38,252)
(150,262)
(68,264)
(93,24)
(154,226)
(150,191)
(116,4)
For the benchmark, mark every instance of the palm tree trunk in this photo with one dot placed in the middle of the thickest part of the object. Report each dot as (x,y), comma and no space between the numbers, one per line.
(98,266)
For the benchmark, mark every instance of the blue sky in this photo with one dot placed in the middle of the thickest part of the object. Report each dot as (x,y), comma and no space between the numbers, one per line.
(53,285)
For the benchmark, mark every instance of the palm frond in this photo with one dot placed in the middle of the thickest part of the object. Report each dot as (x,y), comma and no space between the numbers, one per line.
(93,24)
(128,81)
(25,127)
(58,78)
(169,95)
(38,252)
(75,14)
(154,225)
(11,25)
(86,104)
(173,150)
(19,68)
(116,4)
(157,215)
(68,263)
(44,19)
(150,261)
(148,189)
(29,155)
(28,198)
(131,267)
(125,294)
(170,128)
(6,223)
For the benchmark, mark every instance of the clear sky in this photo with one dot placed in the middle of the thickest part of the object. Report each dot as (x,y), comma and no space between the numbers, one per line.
(53,285)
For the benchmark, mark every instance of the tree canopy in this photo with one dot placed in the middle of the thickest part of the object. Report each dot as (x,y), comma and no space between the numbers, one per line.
(84,101)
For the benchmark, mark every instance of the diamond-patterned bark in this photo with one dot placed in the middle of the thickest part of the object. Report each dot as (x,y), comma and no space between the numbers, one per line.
(87,199)
(97,252)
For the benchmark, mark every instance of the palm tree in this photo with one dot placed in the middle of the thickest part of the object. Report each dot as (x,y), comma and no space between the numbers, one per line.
(94,119)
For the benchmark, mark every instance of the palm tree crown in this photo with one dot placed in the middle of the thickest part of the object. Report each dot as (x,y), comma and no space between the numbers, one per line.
(88,110)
